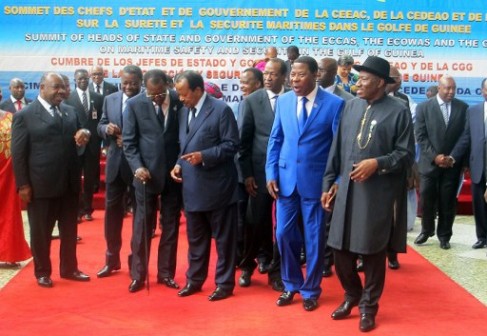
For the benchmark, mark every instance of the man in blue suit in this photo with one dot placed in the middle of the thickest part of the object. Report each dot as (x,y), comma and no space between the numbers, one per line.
(474,138)
(209,141)
(305,122)
(118,173)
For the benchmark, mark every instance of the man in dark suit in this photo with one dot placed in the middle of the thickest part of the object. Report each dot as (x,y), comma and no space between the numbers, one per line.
(44,139)
(440,122)
(474,139)
(250,81)
(118,175)
(98,84)
(305,122)
(255,127)
(150,134)
(17,100)
(209,141)
(327,71)
(88,106)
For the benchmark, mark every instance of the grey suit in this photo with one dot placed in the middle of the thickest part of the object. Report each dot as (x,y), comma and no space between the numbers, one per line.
(45,158)
(143,145)
(474,140)
(342,93)
(89,154)
(434,138)
(210,191)
(118,178)
(255,128)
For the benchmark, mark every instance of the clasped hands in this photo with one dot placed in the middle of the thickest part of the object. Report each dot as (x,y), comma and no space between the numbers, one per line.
(444,161)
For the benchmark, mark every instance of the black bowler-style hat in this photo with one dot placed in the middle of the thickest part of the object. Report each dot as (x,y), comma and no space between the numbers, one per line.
(377,66)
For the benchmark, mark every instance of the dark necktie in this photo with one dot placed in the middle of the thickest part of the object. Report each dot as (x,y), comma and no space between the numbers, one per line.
(56,114)
(85,102)
(193,117)
(19,105)
(160,115)
(97,88)
(303,116)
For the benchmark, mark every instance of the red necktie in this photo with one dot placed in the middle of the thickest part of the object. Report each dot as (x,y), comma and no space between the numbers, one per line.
(19,105)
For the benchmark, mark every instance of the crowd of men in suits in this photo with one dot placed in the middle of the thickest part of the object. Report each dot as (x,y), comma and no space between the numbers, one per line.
(259,184)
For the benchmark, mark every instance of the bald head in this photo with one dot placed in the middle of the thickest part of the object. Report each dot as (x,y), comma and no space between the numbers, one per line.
(447,88)
(271,52)
(327,71)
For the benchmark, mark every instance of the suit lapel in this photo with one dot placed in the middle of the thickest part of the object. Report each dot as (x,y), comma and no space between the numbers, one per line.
(438,116)
(314,110)
(205,112)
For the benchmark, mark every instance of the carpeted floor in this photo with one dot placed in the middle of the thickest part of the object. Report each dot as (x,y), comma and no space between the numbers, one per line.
(418,300)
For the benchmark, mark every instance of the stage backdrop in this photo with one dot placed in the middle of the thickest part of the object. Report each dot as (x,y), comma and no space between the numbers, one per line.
(424,39)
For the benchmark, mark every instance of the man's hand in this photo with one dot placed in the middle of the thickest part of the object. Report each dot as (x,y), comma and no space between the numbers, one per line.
(444,161)
(119,141)
(251,186)
(328,198)
(485,196)
(273,189)
(142,174)
(363,170)
(176,174)
(194,158)
(82,137)
(25,193)
(113,129)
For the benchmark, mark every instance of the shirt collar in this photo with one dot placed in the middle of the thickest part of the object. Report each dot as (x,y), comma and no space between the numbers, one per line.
(45,104)
(273,94)
(200,103)
(441,101)
(311,96)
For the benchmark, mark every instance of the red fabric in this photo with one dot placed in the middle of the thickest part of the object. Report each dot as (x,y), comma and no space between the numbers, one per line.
(13,246)
(419,300)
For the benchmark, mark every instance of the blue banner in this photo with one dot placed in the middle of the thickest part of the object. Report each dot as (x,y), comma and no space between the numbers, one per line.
(424,39)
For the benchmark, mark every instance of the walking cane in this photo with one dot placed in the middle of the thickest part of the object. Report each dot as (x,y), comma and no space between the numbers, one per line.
(146,243)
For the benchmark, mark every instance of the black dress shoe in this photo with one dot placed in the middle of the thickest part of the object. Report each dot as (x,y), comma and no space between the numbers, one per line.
(76,276)
(367,322)
(445,245)
(277,285)
(327,272)
(88,217)
(286,298)
(421,239)
(393,264)
(263,267)
(220,294)
(136,285)
(310,304)
(244,280)
(78,239)
(343,310)
(107,270)
(168,282)
(188,290)
(44,281)
(479,244)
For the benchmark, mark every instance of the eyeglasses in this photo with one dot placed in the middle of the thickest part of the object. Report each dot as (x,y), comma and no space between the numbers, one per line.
(99,74)
(159,95)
